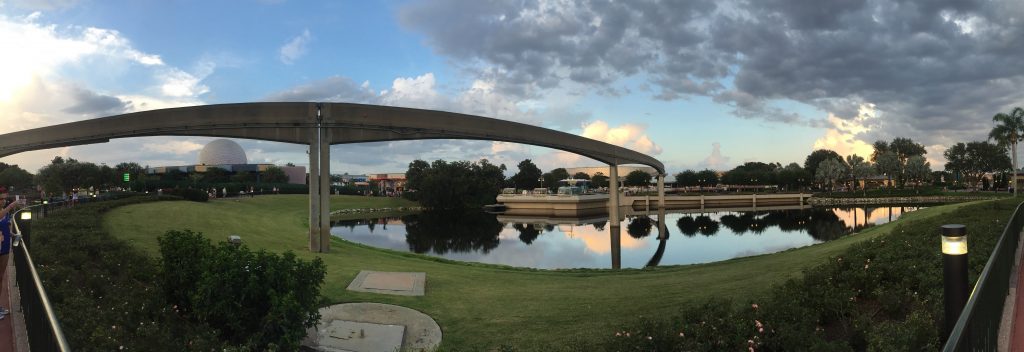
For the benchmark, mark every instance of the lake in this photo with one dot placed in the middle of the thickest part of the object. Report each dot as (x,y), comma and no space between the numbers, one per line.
(475,236)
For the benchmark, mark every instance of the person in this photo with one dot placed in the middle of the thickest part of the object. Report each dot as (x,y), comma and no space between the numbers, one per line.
(74,197)
(5,244)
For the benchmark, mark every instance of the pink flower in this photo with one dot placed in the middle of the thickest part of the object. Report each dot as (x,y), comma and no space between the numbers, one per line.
(753,306)
(618,334)
(760,330)
(650,338)
(681,334)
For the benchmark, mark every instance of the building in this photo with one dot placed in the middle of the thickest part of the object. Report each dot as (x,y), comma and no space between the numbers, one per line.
(227,155)
(389,184)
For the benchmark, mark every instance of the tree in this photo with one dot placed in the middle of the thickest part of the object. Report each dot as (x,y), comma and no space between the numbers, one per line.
(983,157)
(905,148)
(551,178)
(792,176)
(918,168)
(816,157)
(862,171)
(854,162)
(888,164)
(1007,133)
(956,159)
(527,177)
(12,175)
(880,147)
(66,175)
(687,178)
(274,174)
(830,170)
(599,180)
(458,184)
(707,177)
(581,176)
(215,175)
(638,178)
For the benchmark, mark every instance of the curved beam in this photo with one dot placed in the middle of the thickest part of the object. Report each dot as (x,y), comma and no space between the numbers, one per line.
(295,123)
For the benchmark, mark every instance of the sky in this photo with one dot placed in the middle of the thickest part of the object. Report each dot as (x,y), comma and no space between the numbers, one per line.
(696,84)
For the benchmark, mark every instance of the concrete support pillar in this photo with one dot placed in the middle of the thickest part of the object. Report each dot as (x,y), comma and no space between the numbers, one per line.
(615,233)
(314,190)
(754,199)
(662,230)
(661,191)
(614,230)
(325,191)
(613,195)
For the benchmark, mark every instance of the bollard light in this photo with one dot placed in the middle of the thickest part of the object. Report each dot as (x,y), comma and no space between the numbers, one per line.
(235,240)
(46,202)
(954,245)
(26,215)
(954,272)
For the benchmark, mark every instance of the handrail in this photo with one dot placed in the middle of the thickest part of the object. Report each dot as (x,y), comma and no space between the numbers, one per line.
(978,325)
(44,300)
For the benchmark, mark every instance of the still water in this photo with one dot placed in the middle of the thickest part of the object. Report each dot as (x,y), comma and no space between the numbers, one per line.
(589,243)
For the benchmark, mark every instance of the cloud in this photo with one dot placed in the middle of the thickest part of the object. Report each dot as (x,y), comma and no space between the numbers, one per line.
(296,48)
(631,136)
(88,102)
(936,71)
(176,147)
(715,161)
(47,70)
(42,5)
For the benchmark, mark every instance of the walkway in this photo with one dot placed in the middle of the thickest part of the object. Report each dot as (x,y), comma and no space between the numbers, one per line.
(7,325)
(1017,288)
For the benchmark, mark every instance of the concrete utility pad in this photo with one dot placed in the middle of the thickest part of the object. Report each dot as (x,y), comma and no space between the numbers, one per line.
(420,333)
(343,335)
(391,283)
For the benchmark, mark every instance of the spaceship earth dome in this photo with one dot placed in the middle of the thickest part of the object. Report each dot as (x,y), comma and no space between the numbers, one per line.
(222,152)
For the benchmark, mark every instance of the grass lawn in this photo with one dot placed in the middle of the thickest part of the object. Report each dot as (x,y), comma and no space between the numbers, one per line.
(483,306)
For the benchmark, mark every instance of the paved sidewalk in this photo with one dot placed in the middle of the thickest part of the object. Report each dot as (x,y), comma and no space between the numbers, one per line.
(6,325)
(1017,336)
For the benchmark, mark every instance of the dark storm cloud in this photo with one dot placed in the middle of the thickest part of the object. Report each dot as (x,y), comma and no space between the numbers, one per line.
(88,102)
(926,65)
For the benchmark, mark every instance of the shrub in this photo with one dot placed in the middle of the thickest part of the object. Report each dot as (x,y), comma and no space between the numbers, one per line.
(257,299)
(105,292)
(195,195)
(884,294)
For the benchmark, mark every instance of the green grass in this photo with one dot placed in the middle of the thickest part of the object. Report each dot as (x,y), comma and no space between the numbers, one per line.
(483,306)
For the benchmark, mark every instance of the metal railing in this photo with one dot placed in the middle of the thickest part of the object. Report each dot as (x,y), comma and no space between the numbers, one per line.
(44,332)
(978,326)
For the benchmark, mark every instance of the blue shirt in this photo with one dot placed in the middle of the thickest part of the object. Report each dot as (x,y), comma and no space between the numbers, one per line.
(5,228)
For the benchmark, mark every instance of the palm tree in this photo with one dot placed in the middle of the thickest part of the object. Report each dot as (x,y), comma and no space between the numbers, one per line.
(1009,131)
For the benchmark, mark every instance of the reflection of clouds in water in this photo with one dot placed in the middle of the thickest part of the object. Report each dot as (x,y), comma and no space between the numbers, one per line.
(584,246)
(548,255)
(875,215)
(599,242)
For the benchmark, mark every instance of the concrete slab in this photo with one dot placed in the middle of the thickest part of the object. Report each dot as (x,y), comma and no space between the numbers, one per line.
(343,335)
(388,282)
(381,281)
(421,332)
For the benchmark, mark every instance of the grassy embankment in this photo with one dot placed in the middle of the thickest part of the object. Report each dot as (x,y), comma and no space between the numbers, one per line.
(483,306)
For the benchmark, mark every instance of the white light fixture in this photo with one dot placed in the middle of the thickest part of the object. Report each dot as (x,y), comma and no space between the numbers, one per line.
(954,245)
(26,215)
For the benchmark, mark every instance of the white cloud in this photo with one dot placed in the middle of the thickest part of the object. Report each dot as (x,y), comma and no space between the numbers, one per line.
(716,161)
(296,48)
(844,135)
(46,72)
(178,83)
(417,92)
(629,135)
(173,147)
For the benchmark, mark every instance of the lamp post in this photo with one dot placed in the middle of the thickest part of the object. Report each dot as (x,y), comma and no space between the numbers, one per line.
(954,272)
